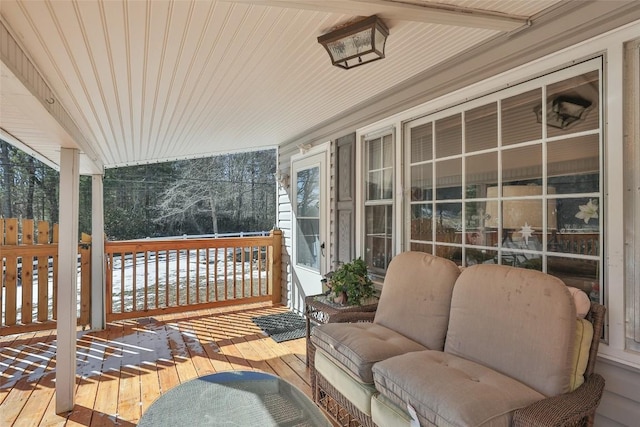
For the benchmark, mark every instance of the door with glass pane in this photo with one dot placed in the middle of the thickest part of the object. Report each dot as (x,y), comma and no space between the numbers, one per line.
(309,236)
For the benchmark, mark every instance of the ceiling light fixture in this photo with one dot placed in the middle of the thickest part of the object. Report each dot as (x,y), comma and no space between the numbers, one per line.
(356,43)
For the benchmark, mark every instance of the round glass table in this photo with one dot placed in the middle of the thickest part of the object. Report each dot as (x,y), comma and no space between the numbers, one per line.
(234,398)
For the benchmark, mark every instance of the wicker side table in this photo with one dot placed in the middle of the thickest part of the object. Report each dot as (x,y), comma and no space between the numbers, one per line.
(320,309)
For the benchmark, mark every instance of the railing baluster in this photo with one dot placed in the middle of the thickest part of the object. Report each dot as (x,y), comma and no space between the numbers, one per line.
(134,281)
(188,276)
(178,252)
(122,284)
(215,276)
(226,275)
(198,275)
(207,270)
(146,281)
(166,279)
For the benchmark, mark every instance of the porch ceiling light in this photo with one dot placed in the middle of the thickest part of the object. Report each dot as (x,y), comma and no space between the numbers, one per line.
(564,111)
(356,43)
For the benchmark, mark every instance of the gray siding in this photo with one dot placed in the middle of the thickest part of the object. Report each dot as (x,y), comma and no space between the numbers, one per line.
(620,405)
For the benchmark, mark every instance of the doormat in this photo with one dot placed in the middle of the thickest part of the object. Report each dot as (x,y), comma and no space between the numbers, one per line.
(282,326)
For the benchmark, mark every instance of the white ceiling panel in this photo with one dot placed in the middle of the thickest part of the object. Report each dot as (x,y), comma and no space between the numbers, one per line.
(155,80)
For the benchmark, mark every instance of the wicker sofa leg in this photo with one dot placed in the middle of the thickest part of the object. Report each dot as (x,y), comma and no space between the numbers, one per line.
(311,355)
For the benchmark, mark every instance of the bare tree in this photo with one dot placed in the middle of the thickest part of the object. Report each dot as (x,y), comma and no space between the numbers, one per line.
(7,179)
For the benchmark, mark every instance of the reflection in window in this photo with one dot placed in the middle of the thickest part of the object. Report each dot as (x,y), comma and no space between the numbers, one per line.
(502,189)
(308,218)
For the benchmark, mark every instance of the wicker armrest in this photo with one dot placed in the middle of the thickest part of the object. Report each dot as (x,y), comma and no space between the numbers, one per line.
(353,316)
(570,409)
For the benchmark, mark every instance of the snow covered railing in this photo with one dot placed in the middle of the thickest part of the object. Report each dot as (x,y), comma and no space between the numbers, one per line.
(154,276)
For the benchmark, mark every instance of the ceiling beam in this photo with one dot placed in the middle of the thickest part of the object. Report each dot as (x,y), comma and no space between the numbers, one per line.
(431,13)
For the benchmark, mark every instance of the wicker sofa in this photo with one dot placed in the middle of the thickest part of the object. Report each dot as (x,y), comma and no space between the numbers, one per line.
(491,346)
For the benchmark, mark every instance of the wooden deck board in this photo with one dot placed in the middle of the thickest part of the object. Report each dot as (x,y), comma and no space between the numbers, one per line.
(124,369)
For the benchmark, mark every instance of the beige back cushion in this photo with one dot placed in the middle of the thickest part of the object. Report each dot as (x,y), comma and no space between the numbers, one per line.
(581,348)
(519,322)
(416,297)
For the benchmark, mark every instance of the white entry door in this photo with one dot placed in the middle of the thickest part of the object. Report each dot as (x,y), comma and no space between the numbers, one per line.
(310,240)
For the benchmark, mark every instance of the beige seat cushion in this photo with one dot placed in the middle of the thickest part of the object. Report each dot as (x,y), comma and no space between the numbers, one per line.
(357,346)
(446,390)
(519,322)
(416,297)
(356,392)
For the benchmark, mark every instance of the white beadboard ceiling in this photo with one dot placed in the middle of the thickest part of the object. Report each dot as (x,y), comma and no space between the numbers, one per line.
(154,80)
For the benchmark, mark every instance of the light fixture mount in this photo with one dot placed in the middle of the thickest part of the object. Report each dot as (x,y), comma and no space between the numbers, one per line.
(356,43)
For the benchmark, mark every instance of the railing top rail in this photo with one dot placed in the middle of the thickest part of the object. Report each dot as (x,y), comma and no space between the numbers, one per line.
(206,236)
(140,245)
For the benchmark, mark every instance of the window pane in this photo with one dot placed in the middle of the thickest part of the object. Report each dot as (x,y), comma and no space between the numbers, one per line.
(581,214)
(374,147)
(422,247)
(481,171)
(387,152)
(449,179)
(522,260)
(378,239)
(481,128)
(421,182)
(572,105)
(387,182)
(582,243)
(308,243)
(421,143)
(449,222)
(522,164)
(308,193)
(480,256)
(577,160)
(449,136)
(450,252)
(374,184)
(579,273)
(421,222)
(519,122)
(474,215)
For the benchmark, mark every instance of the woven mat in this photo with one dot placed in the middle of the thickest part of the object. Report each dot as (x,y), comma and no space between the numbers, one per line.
(282,326)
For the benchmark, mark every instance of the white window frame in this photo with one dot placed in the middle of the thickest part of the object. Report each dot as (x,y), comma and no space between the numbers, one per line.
(632,205)
(362,136)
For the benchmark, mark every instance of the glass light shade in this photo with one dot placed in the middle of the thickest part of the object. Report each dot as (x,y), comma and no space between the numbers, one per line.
(564,111)
(356,44)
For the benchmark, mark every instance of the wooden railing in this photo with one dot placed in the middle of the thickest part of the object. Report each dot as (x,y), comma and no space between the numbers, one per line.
(29,259)
(143,277)
(166,276)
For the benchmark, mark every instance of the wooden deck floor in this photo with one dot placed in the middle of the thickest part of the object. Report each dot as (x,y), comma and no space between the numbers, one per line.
(123,369)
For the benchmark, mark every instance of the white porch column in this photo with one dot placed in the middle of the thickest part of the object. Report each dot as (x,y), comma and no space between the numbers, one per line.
(67,279)
(98,320)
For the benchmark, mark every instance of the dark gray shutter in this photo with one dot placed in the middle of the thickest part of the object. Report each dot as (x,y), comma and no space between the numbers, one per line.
(345,198)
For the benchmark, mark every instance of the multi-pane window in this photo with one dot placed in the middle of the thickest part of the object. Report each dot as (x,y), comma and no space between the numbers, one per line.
(378,209)
(514,178)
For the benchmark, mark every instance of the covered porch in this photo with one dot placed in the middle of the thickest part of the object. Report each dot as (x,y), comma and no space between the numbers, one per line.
(92,85)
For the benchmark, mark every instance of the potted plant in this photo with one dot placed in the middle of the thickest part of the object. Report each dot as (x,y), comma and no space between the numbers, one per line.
(351,284)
